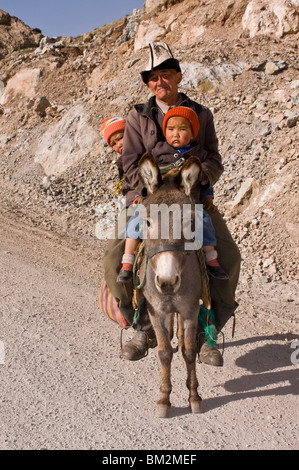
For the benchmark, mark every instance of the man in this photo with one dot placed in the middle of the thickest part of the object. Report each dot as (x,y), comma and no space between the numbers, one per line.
(144,133)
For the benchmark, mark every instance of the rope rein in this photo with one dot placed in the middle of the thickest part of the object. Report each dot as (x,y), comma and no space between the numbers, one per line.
(142,282)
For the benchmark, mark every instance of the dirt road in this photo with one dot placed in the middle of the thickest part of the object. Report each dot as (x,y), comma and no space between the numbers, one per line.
(63,385)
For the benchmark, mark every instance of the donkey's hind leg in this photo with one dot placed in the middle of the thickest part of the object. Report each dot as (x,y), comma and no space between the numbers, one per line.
(189,350)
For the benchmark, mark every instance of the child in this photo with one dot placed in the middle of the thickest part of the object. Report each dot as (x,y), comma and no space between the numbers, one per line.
(180,127)
(113,129)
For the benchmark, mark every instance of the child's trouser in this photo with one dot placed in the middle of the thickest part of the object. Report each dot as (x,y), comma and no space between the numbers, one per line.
(134,228)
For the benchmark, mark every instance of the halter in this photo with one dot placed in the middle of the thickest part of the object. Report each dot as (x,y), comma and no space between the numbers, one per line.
(166,247)
(148,254)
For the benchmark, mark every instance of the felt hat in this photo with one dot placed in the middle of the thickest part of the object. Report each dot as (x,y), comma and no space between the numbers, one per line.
(161,58)
(111,125)
(185,112)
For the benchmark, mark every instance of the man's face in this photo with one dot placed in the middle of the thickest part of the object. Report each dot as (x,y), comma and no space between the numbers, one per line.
(164,85)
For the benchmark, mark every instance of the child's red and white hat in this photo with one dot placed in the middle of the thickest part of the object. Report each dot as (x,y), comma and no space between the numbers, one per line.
(111,125)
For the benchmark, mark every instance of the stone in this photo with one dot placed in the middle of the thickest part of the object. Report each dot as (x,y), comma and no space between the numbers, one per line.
(281,96)
(268,262)
(271,68)
(130,28)
(47,45)
(2,87)
(277,118)
(292,120)
(208,79)
(245,193)
(46,182)
(41,105)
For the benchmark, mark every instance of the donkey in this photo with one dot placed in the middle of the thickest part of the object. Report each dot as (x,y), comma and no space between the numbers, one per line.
(173,278)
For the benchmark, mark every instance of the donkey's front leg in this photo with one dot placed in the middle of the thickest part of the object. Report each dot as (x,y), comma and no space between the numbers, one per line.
(189,353)
(165,353)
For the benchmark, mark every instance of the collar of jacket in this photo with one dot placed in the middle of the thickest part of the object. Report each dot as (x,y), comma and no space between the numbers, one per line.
(146,109)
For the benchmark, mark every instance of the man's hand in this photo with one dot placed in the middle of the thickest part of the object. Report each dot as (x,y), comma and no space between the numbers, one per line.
(137,201)
(208,203)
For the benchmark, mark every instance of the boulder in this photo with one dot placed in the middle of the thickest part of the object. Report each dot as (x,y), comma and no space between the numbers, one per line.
(21,85)
(266,17)
(208,79)
(66,142)
(147,32)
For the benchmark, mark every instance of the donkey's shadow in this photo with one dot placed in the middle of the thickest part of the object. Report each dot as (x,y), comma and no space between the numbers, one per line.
(262,363)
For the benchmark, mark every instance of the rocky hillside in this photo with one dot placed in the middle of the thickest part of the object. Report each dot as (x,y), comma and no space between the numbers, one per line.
(15,35)
(239,57)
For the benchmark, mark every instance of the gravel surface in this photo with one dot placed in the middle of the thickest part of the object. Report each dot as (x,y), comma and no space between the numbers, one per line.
(63,385)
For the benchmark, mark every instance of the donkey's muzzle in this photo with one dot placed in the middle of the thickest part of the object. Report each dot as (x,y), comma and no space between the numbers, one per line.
(168,285)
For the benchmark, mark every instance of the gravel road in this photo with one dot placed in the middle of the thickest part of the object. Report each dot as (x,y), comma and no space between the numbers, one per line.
(63,385)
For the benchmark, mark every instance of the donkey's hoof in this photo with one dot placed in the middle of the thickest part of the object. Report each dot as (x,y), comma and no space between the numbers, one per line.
(196,406)
(162,411)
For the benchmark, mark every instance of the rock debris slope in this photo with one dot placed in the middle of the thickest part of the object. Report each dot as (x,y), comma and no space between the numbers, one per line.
(238,58)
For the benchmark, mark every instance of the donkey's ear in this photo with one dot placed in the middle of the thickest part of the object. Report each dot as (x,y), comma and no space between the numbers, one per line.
(190,175)
(149,173)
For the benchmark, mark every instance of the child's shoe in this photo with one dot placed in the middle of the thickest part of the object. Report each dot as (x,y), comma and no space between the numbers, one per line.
(124,276)
(217,272)
(126,270)
(213,266)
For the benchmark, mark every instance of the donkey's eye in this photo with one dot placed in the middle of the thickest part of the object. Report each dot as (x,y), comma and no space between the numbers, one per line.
(148,223)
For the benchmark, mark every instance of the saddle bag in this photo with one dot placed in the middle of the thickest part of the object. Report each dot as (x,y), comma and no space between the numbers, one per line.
(109,307)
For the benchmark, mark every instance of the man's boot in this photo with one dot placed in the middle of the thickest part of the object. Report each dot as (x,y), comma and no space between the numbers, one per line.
(144,338)
(208,354)
(207,337)
(138,346)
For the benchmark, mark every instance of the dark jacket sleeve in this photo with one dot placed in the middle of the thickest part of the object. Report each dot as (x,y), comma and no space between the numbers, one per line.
(119,165)
(133,148)
(209,154)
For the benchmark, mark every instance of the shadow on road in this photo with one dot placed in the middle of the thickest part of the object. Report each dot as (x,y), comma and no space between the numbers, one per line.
(261,378)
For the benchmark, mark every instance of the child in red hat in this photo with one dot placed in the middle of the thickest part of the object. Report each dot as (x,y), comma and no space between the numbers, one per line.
(113,129)
(180,127)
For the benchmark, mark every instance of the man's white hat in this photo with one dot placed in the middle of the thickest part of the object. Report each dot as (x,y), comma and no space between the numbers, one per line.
(161,57)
